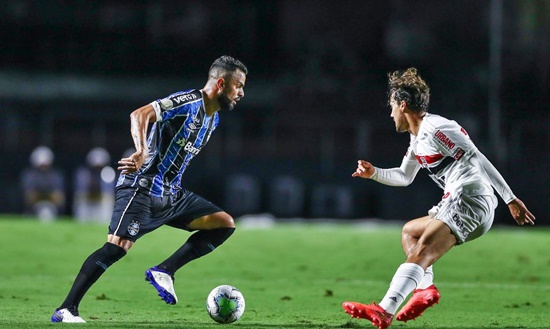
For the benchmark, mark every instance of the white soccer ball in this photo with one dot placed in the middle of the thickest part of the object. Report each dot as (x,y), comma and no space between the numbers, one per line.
(225,304)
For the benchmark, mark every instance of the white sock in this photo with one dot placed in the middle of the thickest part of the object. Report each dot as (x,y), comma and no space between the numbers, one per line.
(428,278)
(404,281)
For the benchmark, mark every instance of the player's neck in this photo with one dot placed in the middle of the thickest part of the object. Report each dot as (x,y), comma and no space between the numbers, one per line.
(415,120)
(211,104)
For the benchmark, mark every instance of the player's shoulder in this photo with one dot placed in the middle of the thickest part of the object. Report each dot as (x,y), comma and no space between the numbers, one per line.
(437,122)
(180,98)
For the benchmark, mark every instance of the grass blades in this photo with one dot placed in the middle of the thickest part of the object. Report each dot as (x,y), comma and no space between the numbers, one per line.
(291,275)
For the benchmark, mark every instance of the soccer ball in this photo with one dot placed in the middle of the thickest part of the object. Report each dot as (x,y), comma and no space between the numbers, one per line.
(225,304)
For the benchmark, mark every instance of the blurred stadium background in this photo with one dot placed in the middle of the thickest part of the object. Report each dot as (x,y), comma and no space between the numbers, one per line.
(72,71)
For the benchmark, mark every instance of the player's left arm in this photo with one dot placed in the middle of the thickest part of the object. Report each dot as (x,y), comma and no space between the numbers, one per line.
(517,208)
(454,141)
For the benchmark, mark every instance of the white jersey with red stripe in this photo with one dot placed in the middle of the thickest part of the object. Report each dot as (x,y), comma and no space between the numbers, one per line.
(445,150)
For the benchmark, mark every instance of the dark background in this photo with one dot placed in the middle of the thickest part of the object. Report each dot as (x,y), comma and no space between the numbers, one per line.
(72,71)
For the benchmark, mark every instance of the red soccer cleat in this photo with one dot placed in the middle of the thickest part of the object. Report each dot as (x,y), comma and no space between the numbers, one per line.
(372,312)
(418,303)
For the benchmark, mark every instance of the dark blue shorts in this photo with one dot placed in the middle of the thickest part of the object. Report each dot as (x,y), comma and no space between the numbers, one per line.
(137,213)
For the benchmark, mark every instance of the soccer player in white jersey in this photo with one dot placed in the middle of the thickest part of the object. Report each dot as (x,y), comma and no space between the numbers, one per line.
(466,211)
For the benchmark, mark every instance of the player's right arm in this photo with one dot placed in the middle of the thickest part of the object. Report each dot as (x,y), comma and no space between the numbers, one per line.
(401,176)
(139,123)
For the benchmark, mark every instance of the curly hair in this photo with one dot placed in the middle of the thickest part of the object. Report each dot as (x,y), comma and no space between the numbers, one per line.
(408,86)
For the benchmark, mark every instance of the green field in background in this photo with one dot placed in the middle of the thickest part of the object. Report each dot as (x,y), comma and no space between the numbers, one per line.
(291,275)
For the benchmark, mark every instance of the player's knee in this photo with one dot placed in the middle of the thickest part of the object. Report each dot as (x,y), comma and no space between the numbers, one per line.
(222,220)
(109,254)
(116,252)
(217,220)
(409,230)
(229,222)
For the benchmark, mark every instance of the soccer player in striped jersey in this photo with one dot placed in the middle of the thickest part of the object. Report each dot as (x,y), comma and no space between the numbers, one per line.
(149,192)
(444,149)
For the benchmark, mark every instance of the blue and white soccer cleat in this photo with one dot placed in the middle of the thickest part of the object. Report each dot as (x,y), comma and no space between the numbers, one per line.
(66,316)
(164,283)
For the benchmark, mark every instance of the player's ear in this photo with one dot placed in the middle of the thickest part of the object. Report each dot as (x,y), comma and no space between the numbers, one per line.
(220,83)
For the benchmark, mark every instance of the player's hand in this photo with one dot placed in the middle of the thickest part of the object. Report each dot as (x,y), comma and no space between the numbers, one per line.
(132,163)
(364,169)
(520,213)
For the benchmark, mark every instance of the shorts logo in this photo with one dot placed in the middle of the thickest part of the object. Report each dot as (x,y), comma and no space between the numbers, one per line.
(458,223)
(446,195)
(133,228)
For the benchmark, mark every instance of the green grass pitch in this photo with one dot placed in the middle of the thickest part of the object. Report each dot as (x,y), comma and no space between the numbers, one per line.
(292,276)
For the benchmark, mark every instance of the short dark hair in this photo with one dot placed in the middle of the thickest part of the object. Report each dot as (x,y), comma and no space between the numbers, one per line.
(226,64)
(408,86)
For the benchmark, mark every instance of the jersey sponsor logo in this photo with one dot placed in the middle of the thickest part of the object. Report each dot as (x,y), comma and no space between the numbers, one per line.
(191,149)
(181,142)
(180,99)
(443,139)
(459,153)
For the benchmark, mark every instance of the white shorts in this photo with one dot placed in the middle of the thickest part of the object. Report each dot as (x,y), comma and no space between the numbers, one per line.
(468,217)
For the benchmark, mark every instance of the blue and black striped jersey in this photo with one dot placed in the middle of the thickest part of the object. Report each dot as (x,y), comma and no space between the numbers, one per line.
(181,131)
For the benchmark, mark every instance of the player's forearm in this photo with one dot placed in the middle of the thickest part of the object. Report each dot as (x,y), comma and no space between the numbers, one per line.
(139,122)
(402,176)
(392,177)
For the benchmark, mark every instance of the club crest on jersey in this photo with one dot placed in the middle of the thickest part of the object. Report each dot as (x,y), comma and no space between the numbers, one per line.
(195,124)
(133,228)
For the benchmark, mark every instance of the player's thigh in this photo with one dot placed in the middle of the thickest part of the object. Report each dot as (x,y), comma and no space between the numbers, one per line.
(212,221)
(482,211)
(192,212)
(415,227)
(434,242)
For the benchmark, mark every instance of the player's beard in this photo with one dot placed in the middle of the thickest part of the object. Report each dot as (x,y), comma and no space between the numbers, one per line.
(225,102)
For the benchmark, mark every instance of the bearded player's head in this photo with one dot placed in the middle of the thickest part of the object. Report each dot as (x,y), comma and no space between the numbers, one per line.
(230,77)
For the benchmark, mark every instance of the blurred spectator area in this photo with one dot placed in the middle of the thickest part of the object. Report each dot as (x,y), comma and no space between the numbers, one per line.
(315,97)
